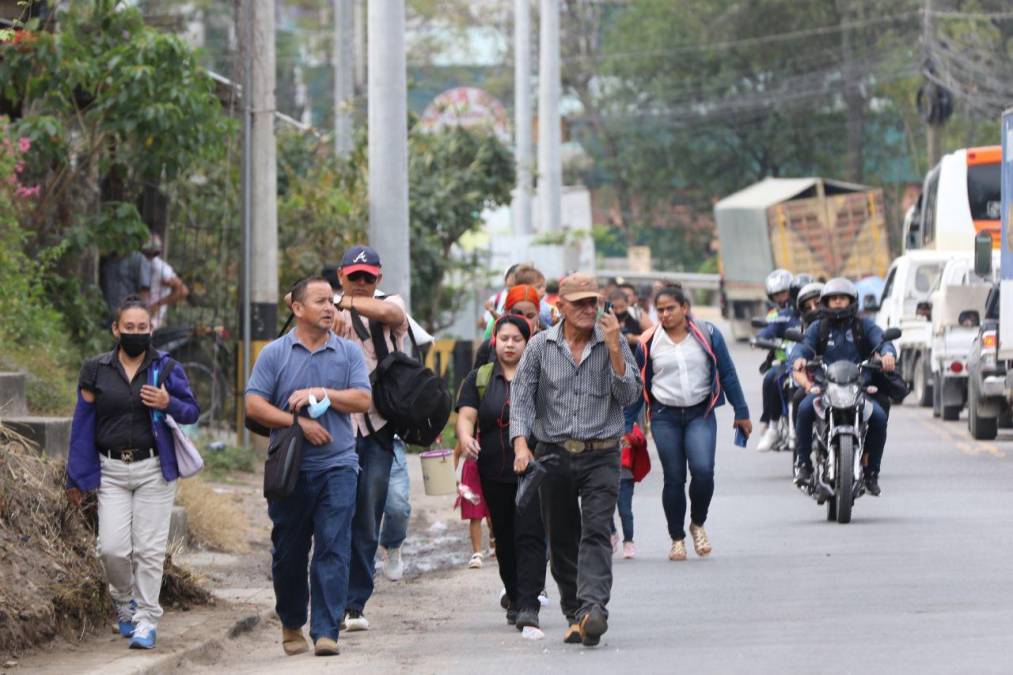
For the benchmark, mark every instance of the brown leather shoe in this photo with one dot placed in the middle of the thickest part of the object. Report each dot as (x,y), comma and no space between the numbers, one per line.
(293,642)
(326,647)
(572,635)
(592,626)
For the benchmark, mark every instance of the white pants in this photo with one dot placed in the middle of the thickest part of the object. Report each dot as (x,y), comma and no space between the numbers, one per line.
(134,510)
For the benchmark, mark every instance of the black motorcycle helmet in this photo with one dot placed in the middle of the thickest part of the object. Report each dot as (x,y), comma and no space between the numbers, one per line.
(797,282)
(839,286)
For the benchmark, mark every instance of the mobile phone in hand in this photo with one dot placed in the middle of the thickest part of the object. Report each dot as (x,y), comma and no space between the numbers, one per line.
(608,307)
(740,437)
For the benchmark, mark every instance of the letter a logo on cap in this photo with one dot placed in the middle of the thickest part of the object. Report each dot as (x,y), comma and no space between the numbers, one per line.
(361,258)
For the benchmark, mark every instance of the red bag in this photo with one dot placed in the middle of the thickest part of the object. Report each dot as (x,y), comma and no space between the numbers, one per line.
(634,454)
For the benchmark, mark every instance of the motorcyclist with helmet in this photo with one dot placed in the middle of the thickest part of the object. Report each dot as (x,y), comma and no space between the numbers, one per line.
(809,309)
(840,334)
(786,317)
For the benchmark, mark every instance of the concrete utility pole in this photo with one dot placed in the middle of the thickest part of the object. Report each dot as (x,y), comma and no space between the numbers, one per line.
(388,144)
(360,47)
(344,74)
(550,169)
(260,184)
(522,115)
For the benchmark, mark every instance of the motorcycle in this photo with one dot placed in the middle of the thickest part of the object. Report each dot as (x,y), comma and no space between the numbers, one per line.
(776,348)
(842,409)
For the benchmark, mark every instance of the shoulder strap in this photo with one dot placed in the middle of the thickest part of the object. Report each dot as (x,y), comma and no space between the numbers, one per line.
(482,379)
(170,363)
(824,337)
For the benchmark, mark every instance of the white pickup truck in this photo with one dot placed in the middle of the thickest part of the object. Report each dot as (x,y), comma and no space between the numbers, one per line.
(905,304)
(958,305)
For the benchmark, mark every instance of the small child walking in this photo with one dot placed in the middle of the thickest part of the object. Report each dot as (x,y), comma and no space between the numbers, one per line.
(473,507)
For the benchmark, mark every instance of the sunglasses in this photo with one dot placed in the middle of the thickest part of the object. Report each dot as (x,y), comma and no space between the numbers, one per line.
(362,276)
(585,303)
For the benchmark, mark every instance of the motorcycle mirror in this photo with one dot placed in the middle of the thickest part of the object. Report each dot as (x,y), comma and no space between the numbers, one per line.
(891,334)
(793,334)
(757,322)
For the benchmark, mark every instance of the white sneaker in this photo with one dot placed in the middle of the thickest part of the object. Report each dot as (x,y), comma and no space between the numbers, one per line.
(355,621)
(393,567)
(768,439)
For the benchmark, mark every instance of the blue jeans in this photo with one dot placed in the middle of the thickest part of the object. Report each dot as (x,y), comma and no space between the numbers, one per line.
(374,477)
(625,506)
(319,512)
(875,436)
(685,436)
(773,394)
(398,509)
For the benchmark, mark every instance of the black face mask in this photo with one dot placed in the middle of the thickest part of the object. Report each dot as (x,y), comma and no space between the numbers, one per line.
(135,344)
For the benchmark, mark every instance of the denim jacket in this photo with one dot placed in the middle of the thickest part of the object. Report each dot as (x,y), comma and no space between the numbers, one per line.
(83,468)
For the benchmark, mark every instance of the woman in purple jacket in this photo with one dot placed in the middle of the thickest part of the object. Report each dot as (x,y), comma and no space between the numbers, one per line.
(121,446)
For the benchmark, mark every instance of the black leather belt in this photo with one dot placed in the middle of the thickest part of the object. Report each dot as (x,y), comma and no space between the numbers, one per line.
(575,447)
(129,455)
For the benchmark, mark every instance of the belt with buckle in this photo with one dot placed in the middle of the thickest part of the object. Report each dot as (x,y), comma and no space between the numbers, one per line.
(575,447)
(129,455)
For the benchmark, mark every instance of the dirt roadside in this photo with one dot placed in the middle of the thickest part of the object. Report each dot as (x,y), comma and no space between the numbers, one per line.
(233,632)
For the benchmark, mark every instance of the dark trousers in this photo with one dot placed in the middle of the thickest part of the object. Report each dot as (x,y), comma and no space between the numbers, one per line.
(319,512)
(773,400)
(520,544)
(685,437)
(875,437)
(626,507)
(579,497)
(374,477)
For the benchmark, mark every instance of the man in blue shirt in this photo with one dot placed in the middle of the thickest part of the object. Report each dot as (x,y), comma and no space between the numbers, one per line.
(840,335)
(322,377)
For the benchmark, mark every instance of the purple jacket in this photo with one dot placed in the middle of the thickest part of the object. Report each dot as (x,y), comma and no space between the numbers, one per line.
(83,468)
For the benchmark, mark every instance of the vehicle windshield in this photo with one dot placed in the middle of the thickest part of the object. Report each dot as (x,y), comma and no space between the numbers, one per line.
(983,191)
(842,372)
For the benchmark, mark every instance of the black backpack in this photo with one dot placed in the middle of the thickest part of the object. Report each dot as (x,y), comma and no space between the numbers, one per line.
(414,400)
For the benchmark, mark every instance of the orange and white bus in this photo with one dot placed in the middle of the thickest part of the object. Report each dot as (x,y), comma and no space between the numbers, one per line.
(960,198)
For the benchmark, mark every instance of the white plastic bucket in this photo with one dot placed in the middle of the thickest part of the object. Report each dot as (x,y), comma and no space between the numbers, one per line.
(438,472)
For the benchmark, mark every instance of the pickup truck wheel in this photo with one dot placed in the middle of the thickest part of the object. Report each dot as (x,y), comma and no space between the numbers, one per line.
(981,428)
(922,387)
(951,413)
(937,395)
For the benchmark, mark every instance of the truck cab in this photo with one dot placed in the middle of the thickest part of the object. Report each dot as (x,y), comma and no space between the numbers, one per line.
(905,304)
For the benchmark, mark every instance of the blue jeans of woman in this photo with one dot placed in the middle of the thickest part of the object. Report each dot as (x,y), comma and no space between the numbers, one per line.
(685,437)
(625,507)
(398,510)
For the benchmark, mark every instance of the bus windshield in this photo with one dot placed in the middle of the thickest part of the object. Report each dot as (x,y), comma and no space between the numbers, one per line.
(983,191)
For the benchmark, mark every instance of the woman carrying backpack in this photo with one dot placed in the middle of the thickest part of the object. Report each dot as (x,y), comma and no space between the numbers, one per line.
(483,430)
(122,447)
(687,372)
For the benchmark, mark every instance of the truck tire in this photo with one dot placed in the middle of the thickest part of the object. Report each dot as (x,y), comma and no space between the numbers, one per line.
(921,383)
(981,428)
(951,413)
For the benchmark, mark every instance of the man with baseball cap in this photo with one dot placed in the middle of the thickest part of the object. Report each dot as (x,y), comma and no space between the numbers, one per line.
(359,314)
(568,396)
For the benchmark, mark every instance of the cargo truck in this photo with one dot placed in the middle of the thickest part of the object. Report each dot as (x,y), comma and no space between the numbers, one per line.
(824,227)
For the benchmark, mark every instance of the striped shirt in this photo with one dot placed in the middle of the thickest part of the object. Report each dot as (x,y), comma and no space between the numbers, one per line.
(554,399)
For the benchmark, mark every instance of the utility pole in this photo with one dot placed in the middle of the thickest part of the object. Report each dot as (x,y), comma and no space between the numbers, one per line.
(260,203)
(344,74)
(522,115)
(550,170)
(360,47)
(388,143)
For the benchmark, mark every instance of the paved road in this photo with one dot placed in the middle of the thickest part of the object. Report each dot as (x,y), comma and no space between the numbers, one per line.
(921,581)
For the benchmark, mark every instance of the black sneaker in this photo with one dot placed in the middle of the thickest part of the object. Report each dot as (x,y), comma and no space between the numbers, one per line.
(511,614)
(527,617)
(504,600)
(803,475)
(872,484)
(592,626)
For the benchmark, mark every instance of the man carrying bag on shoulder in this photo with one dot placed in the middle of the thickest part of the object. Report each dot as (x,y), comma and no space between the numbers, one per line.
(323,378)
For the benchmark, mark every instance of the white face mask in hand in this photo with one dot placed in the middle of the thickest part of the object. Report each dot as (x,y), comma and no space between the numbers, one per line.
(317,408)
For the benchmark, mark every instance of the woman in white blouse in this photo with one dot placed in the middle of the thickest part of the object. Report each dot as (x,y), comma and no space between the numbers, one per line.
(687,371)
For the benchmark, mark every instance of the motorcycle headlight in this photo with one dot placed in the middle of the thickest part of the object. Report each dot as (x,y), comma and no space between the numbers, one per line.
(842,395)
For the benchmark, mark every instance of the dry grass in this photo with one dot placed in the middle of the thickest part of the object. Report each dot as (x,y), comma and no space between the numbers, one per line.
(214,520)
(51,582)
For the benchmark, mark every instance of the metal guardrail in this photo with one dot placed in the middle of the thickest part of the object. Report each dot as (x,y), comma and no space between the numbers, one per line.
(689,280)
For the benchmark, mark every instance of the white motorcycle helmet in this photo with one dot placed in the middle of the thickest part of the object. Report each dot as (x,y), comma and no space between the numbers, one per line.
(778,281)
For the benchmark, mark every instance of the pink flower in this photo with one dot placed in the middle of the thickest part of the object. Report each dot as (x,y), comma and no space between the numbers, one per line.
(19,167)
(24,143)
(27,192)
